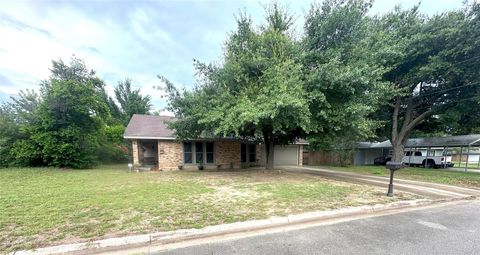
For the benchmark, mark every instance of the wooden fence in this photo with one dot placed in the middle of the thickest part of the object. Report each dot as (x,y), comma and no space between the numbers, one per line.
(315,158)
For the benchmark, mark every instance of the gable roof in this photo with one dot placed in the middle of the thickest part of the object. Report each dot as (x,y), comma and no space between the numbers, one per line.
(155,127)
(149,127)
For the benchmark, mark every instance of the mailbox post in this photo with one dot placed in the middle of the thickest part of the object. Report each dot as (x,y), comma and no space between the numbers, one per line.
(392,166)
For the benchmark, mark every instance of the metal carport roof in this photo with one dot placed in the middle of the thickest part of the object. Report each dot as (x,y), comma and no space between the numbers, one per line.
(449,141)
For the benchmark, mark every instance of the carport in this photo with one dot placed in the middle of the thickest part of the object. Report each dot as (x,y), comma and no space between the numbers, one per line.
(465,148)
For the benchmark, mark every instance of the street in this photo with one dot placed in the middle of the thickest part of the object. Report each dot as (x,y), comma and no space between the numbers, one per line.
(453,229)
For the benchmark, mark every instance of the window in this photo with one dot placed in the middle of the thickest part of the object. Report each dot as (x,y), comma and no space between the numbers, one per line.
(209,152)
(418,153)
(187,152)
(248,153)
(251,153)
(198,152)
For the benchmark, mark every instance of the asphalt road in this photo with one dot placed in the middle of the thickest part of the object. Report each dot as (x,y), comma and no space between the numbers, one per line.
(453,229)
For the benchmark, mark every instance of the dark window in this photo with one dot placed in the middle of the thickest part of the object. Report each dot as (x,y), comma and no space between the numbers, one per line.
(251,153)
(244,153)
(209,150)
(418,153)
(407,153)
(198,152)
(187,152)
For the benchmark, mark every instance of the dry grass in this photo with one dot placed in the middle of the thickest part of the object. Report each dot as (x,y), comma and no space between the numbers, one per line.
(47,206)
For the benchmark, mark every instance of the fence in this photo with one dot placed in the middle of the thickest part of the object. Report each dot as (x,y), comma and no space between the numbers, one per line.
(314,158)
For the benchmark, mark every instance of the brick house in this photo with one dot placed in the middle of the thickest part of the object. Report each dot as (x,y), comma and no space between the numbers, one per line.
(155,146)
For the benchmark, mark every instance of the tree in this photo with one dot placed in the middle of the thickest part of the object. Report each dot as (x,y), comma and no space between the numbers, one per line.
(256,94)
(436,67)
(9,132)
(131,101)
(343,73)
(69,124)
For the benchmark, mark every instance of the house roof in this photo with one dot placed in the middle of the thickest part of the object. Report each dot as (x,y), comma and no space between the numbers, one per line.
(149,127)
(155,127)
(449,141)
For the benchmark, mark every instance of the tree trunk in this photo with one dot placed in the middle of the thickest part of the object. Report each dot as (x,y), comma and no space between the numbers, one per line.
(410,121)
(398,149)
(269,154)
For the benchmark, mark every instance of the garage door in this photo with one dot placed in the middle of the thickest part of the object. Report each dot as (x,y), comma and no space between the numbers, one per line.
(286,155)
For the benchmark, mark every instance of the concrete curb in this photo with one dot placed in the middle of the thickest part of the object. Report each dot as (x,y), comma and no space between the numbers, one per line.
(117,243)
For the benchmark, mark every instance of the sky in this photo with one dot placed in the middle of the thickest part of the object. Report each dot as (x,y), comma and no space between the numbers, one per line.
(134,39)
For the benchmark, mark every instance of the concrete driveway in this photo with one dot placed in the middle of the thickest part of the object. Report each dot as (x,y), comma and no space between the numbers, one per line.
(432,190)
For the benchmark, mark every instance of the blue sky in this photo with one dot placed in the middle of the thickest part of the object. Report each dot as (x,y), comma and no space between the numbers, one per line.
(135,39)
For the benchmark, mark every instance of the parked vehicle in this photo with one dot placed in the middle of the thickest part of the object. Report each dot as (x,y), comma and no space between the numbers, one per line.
(416,158)
(381,161)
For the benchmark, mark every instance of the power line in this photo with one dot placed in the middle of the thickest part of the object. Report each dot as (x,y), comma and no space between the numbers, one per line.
(445,90)
(451,102)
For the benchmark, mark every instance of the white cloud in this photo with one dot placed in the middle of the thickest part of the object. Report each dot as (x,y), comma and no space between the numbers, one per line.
(128,39)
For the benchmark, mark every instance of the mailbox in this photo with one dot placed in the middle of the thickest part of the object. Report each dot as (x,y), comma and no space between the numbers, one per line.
(392,166)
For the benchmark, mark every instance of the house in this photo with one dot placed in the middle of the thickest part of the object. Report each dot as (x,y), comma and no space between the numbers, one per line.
(155,146)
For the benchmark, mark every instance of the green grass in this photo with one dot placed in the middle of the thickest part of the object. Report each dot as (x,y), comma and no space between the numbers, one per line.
(47,206)
(468,179)
(462,165)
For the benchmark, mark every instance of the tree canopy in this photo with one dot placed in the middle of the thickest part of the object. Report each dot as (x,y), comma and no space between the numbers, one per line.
(257,93)
(70,122)
(349,76)
(435,71)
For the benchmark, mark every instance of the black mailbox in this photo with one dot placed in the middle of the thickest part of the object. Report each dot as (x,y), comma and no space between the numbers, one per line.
(392,166)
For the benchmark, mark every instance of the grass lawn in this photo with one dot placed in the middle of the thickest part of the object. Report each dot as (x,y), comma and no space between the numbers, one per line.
(468,179)
(462,165)
(47,206)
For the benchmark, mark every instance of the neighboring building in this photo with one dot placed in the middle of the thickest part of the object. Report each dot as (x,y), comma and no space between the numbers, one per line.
(155,146)
(464,147)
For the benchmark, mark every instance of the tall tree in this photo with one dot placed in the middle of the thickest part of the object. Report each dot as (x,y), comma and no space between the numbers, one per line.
(436,67)
(257,93)
(69,124)
(131,101)
(343,72)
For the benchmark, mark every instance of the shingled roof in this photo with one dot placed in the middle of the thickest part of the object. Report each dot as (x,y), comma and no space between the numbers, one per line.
(148,127)
(154,127)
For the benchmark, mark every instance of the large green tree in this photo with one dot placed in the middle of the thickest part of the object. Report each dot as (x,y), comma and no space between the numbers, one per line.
(435,69)
(69,124)
(256,93)
(343,72)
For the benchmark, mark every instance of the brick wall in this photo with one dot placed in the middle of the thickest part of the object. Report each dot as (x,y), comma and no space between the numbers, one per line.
(170,155)
(136,160)
(227,153)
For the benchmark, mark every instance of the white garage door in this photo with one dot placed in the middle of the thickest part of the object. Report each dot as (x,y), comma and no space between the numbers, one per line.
(285,155)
